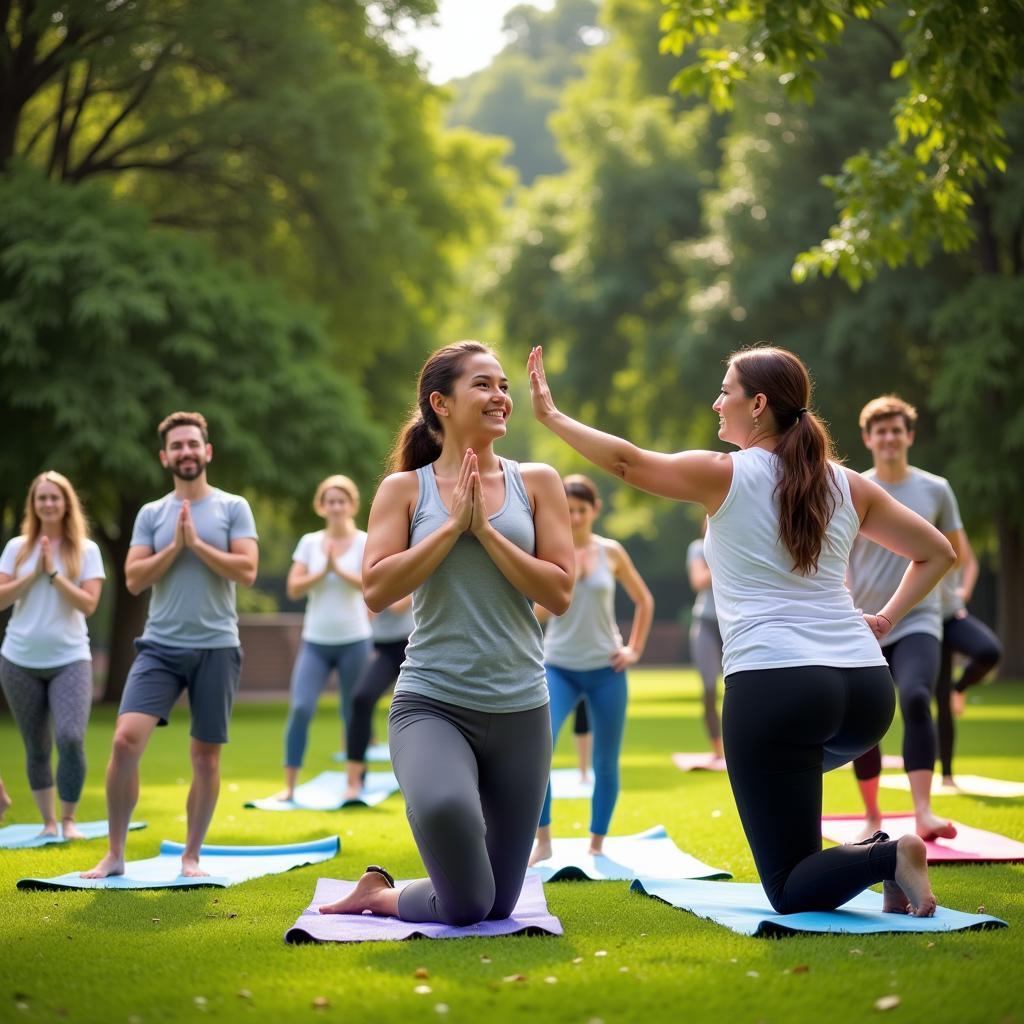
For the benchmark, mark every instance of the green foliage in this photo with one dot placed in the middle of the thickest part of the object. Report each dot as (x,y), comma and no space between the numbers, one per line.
(958,64)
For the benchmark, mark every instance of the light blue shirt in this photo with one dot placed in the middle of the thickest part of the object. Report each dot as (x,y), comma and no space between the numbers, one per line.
(191,605)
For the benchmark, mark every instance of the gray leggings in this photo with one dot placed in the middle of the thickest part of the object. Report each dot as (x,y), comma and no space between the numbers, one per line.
(63,694)
(706,651)
(474,783)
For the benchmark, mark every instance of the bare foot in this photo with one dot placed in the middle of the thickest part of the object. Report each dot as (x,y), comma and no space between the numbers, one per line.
(541,851)
(716,764)
(894,899)
(365,896)
(596,850)
(352,793)
(958,702)
(49,829)
(286,796)
(949,782)
(190,868)
(930,827)
(70,830)
(109,865)
(912,875)
(871,826)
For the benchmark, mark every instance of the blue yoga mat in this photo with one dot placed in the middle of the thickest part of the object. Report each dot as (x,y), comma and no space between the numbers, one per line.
(376,752)
(651,853)
(744,908)
(228,865)
(27,837)
(326,792)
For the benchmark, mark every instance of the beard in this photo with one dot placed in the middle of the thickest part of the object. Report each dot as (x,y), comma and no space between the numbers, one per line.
(190,471)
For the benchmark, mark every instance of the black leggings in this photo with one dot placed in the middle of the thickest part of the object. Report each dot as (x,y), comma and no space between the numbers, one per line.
(581,726)
(474,784)
(914,661)
(782,728)
(380,672)
(971,637)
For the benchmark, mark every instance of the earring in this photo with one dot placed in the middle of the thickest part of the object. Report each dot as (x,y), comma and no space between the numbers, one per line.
(756,423)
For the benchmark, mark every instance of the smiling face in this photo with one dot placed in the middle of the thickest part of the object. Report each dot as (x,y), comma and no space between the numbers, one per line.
(888,440)
(735,411)
(49,503)
(479,403)
(185,453)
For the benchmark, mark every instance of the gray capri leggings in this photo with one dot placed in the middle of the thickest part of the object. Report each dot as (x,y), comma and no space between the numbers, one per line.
(474,784)
(62,695)
(706,650)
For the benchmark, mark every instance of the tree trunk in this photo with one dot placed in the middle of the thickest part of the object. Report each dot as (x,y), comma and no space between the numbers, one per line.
(129,611)
(1011,596)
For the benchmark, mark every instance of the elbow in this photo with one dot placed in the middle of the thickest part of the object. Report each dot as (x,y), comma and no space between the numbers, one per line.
(133,586)
(949,557)
(248,577)
(293,593)
(560,601)
(373,597)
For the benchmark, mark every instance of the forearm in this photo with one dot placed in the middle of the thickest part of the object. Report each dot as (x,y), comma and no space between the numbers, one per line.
(398,575)
(300,583)
(643,619)
(918,581)
(351,578)
(239,568)
(542,582)
(970,577)
(142,573)
(15,588)
(611,453)
(76,596)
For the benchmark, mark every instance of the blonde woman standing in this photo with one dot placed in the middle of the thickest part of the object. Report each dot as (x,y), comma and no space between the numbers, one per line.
(52,573)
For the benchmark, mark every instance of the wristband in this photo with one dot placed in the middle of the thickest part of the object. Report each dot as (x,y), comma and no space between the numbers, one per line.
(879,615)
(53,575)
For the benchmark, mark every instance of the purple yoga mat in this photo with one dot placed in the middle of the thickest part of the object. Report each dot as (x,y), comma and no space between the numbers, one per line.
(530,917)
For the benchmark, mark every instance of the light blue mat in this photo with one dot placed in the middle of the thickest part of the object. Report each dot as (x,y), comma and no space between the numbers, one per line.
(566,784)
(649,853)
(27,837)
(376,752)
(228,865)
(326,792)
(744,908)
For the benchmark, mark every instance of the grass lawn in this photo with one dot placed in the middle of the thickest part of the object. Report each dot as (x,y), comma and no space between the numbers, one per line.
(180,956)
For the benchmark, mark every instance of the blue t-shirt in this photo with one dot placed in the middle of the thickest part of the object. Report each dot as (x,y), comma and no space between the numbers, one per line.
(191,605)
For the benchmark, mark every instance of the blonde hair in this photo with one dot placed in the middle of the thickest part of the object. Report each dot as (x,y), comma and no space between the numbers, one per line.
(342,483)
(74,525)
(886,407)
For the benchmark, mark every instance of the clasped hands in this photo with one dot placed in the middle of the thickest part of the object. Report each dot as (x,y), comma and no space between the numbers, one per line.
(185,534)
(469,510)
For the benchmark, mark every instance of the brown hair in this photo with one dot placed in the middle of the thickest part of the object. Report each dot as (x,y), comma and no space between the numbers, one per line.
(885,407)
(182,419)
(419,442)
(341,483)
(805,491)
(76,529)
(581,487)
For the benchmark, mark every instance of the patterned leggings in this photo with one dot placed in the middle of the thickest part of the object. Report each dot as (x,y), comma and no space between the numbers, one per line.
(63,694)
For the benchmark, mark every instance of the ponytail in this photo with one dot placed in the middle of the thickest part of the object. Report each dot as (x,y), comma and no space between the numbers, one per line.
(806,491)
(419,441)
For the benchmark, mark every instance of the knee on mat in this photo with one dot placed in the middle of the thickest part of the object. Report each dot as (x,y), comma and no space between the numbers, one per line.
(471,909)
(447,814)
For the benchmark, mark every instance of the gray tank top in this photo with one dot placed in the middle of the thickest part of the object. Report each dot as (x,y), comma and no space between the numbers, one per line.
(586,636)
(390,627)
(476,642)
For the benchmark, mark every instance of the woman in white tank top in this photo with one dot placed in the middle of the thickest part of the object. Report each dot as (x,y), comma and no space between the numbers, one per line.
(806,685)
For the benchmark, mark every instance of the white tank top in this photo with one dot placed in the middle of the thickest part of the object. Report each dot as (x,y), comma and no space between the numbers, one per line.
(770,615)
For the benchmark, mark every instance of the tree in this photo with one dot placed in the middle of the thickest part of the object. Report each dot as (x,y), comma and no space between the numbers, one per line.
(106,325)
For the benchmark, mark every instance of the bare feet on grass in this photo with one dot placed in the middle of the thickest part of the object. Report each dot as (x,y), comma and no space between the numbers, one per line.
(541,851)
(111,864)
(372,893)
(931,827)
(911,879)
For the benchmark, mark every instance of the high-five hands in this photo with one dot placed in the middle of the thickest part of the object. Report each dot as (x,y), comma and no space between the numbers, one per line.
(540,393)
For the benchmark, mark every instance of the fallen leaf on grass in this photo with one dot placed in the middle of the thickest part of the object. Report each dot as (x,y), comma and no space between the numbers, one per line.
(485,959)
(441,1008)
(244,993)
(601,952)
(514,977)
(421,972)
(423,990)
(800,969)
(887,1003)
(981,909)
(577,959)
(321,1003)
(551,979)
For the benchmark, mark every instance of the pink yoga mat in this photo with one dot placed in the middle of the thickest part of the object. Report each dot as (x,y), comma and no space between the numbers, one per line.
(530,917)
(892,762)
(970,844)
(703,762)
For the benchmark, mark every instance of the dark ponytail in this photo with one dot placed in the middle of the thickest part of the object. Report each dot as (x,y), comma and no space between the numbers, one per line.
(806,491)
(419,441)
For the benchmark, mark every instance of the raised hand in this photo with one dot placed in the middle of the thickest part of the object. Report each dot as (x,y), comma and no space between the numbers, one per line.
(462,497)
(540,393)
(45,556)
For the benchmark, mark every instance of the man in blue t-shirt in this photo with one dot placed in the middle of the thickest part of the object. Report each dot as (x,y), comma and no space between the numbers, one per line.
(191,546)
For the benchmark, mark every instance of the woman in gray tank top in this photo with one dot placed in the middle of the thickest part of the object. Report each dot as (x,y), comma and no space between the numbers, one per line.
(476,539)
(806,686)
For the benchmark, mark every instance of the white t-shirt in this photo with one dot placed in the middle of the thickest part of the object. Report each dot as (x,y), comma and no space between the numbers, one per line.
(46,630)
(335,611)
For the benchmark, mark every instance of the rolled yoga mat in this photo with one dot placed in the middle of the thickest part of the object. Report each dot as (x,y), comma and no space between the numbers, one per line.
(27,837)
(970,844)
(566,784)
(744,908)
(651,853)
(530,917)
(326,792)
(966,785)
(227,865)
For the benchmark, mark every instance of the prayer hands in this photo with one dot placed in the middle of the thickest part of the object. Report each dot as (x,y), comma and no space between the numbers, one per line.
(540,393)
(462,497)
(479,522)
(45,565)
(186,526)
(623,658)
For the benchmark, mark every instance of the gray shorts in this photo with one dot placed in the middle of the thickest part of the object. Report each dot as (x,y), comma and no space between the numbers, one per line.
(160,673)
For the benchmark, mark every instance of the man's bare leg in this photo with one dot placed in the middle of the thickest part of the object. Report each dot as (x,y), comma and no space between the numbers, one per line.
(130,738)
(928,825)
(872,812)
(44,799)
(542,846)
(202,800)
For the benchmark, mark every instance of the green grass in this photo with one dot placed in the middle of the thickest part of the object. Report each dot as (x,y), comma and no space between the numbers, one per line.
(143,956)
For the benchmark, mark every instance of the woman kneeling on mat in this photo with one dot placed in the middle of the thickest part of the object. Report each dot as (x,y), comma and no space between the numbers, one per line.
(476,539)
(806,686)
(585,658)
